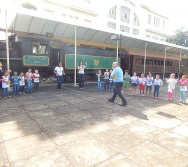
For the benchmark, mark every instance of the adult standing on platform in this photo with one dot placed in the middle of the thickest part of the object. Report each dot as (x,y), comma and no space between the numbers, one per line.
(59,71)
(117,76)
(1,74)
(81,68)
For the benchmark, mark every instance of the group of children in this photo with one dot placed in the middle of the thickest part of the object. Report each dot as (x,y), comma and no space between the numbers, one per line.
(19,82)
(108,83)
(146,83)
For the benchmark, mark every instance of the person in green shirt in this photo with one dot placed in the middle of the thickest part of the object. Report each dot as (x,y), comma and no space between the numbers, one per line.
(126,80)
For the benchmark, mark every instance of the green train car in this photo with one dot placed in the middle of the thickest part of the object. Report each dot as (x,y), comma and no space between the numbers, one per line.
(43,53)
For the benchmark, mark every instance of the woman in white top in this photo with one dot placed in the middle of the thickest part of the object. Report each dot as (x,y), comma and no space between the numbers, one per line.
(81,75)
(59,71)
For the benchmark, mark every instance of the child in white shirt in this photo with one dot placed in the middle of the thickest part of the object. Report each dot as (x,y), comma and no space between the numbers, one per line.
(5,85)
(157,84)
(142,82)
(134,80)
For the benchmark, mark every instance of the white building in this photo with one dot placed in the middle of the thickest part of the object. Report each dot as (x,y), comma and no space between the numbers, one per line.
(125,16)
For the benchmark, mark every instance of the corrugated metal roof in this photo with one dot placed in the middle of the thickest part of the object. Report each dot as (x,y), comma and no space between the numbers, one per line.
(34,24)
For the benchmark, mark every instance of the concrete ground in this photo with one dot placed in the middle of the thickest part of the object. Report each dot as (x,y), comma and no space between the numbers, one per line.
(80,128)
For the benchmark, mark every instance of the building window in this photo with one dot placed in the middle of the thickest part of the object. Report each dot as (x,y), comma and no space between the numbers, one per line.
(163,24)
(27,5)
(149,19)
(135,31)
(156,22)
(64,15)
(135,21)
(112,25)
(125,14)
(88,1)
(112,13)
(49,11)
(70,17)
(87,21)
(124,28)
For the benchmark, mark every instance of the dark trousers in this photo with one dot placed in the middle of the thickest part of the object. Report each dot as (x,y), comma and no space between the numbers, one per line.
(81,80)
(59,81)
(156,90)
(22,88)
(36,86)
(106,84)
(117,91)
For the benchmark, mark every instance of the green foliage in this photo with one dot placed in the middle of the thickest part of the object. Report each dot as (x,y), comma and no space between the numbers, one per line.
(180,38)
(29,6)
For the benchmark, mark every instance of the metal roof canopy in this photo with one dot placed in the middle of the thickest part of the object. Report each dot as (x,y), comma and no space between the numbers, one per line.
(34,24)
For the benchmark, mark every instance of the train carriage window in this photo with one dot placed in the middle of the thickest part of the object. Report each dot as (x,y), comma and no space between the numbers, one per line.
(40,48)
(155,62)
(176,64)
(3,53)
(162,63)
(159,62)
(170,63)
(137,61)
(150,62)
(142,60)
(35,48)
(173,64)
(167,63)
(147,62)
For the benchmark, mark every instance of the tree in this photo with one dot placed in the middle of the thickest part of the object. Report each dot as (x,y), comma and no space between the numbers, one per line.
(180,38)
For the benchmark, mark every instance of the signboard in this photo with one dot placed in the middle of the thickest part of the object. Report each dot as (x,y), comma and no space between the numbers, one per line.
(30,60)
(92,62)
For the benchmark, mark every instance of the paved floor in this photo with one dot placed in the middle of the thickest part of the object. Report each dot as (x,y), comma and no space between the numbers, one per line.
(79,128)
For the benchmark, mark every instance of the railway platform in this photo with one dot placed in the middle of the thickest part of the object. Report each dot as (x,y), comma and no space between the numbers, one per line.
(80,128)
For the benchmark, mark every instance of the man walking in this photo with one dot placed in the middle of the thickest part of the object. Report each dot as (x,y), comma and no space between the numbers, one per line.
(117,76)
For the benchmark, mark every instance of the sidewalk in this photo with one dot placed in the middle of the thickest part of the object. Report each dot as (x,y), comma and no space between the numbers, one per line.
(80,128)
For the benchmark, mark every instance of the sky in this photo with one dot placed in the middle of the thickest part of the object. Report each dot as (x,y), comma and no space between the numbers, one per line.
(175,10)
